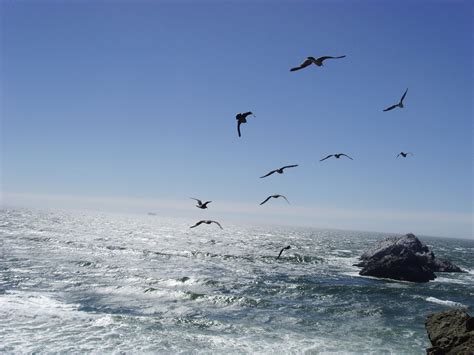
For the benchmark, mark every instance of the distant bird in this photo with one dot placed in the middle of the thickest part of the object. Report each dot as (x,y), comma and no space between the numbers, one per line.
(400,104)
(206,222)
(200,204)
(404,154)
(337,156)
(311,60)
(242,118)
(279,171)
(275,196)
(281,251)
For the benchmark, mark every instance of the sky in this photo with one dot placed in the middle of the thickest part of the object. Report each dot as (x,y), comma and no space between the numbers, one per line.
(131,105)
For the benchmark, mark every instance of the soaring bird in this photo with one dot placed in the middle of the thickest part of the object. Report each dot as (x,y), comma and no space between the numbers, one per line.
(274,196)
(200,204)
(242,118)
(311,60)
(279,171)
(281,251)
(206,222)
(337,156)
(400,104)
(404,154)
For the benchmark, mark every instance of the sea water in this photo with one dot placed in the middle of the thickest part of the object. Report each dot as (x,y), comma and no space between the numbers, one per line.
(95,282)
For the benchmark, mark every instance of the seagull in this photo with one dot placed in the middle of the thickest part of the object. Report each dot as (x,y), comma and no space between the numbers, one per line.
(207,222)
(279,171)
(400,104)
(275,196)
(281,251)
(404,154)
(311,60)
(337,156)
(200,204)
(242,118)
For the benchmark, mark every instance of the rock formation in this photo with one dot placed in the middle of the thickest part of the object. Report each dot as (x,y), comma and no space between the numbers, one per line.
(403,258)
(450,332)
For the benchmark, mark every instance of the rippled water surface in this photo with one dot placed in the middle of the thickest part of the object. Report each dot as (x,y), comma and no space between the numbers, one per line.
(94,282)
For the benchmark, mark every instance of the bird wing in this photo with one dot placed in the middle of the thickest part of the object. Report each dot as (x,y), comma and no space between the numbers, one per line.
(329,57)
(290,166)
(238,128)
(405,94)
(217,224)
(399,154)
(390,108)
(247,113)
(284,198)
(302,65)
(296,68)
(205,203)
(198,201)
(347,156)
(270,173)
(281,251)
(197,224)
(269,197)
(329,156)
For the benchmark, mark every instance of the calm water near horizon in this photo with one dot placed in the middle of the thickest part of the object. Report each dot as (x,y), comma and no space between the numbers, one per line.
(97,282)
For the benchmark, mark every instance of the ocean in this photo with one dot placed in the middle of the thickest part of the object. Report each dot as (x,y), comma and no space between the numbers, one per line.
(97,282)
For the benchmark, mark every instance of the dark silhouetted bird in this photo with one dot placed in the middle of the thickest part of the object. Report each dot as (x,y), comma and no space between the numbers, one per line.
(404,154)
(242,118)
(337,156)
(281,251)
(274,196)
(279,171)
(400,104)
(200,204)
(311,60)
(206,222)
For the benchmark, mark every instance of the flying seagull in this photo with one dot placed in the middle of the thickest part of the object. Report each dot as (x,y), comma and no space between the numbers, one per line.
(400,104)
(311,60)
(275,196)
(200,204)
(281,251)
(207,222)
(337,156)
(242,118)
(404,154)
(279,171)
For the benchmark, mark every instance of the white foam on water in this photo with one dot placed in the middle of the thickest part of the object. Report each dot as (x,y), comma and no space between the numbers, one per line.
(32,304)
(445,302)
(451,280)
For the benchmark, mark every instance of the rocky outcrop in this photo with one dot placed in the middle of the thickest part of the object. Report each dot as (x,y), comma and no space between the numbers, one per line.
(450,332)
(403,258)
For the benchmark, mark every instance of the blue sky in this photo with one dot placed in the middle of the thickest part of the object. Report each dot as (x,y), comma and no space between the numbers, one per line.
(137,100)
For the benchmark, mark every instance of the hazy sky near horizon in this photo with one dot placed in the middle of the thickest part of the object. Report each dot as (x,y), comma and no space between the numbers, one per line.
(137,100)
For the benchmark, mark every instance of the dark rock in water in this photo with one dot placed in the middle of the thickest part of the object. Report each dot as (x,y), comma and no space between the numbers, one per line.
(450,332)
(403,258)
(443,266)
